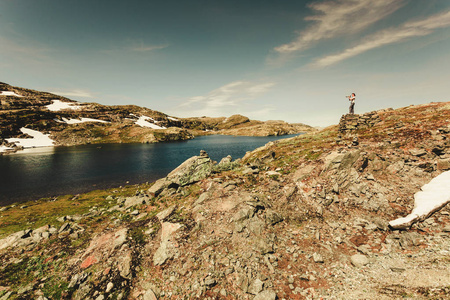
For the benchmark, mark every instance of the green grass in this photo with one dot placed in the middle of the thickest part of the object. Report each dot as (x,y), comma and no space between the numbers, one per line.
(45,211)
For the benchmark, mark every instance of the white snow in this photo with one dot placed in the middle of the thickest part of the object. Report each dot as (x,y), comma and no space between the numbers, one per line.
(432,197)
(39,139)
(8,93)
(82,120)
(142,121)
(173,119)
(58,105)
(4,148)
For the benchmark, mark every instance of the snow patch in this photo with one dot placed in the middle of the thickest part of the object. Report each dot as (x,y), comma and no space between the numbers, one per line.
(8,93)
(173,119)
(76,121)
(58,105)
(4,148)
(142,121)
(39,139)
(432,197)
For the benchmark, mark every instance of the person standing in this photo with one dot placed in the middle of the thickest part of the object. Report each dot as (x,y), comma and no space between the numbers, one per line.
(351,98)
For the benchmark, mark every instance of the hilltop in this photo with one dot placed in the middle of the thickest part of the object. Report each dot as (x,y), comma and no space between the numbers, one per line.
(300,218)
(61,121)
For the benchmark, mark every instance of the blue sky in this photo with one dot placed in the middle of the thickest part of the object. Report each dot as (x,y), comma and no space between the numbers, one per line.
(286,60)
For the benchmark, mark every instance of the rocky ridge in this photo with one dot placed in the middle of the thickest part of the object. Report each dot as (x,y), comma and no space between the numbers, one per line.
(75,123)
(300,218)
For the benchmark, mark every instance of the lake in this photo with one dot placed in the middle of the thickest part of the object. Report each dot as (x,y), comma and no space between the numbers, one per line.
(47,172)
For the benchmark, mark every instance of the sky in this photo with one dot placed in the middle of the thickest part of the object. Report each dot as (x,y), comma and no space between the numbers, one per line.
(265,59)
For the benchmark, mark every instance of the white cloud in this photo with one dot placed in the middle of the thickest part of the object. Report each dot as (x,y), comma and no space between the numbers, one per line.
(73,93)
(390,36)
(227,99)
(340,17)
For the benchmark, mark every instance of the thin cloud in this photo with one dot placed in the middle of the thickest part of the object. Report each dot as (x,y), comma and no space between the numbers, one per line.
(225,98)
(340,17)
(73,93)
(147,48)
(390,36)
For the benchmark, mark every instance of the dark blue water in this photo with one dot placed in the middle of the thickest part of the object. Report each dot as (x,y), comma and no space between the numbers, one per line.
(48,172)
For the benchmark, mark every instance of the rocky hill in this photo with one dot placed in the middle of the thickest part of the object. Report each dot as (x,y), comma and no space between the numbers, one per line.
(301,218)
(66,122)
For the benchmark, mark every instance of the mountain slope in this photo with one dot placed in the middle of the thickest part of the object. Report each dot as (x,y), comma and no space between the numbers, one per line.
(73,123)
(300,218)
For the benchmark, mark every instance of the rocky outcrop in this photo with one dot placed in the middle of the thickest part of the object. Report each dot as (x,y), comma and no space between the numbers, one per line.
(352,122)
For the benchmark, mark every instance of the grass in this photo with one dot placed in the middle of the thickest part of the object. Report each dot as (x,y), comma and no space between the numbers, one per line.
(45,211)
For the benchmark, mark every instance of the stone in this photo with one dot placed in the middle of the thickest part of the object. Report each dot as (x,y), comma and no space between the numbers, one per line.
(443,164)
(359,260)
(166,248)
(78,279)
(109,287)
(273,217)
(255,287)
(162,216)
(124,266)
(149,295)
(192,170)
(159,186)
(225,160)
(417,152)
(135,200)
(317,258)
(243,214)
(263,245)
(120,237)
(266,295)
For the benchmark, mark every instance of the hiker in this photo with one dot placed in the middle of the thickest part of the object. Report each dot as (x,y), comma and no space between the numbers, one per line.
(351,98)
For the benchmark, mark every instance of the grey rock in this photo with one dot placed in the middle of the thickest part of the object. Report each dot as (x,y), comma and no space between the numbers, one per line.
(256,225)
(135,200)
(244,214)
(359,260)
(264,245)
(317,258)
(100,297)
(159,186)
(225,160)
(162,216)
(109,287)
(273,217)
(255,287)
(65,228)
(266,295)
(202,198)
(417,152)
(124,266)
(209,281)
(192,170)
(6,296)
(78,279)
(149,295)
(166,248)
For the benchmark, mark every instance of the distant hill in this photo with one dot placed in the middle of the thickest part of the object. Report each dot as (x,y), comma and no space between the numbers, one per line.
(67,122)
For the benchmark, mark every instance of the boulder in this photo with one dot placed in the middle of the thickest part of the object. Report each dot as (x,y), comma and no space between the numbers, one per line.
(359,260)
(159,186)
(166,248)
(266,295)
(192,170)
